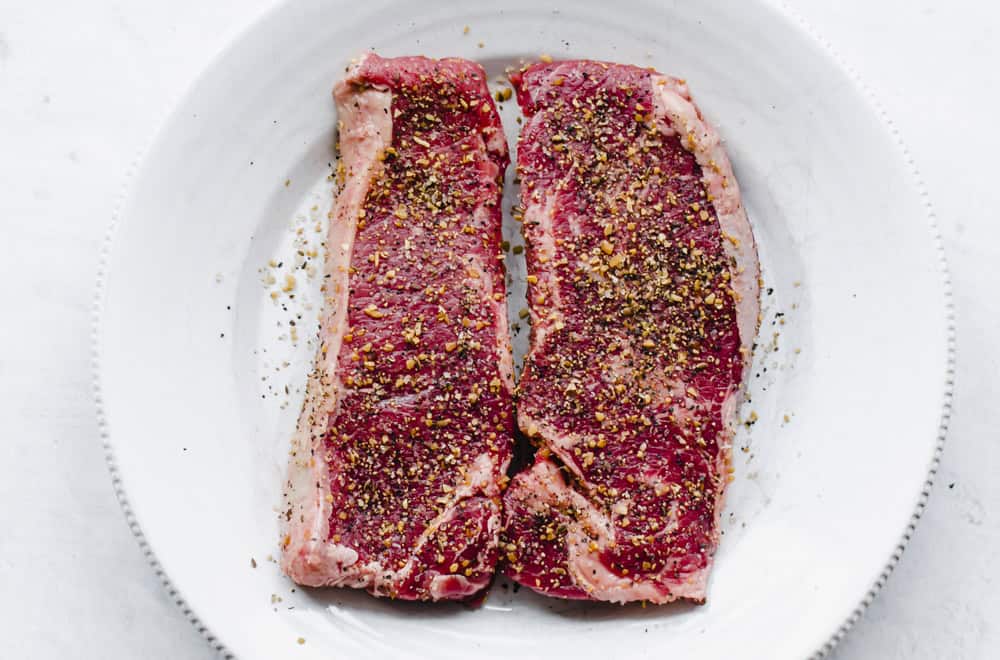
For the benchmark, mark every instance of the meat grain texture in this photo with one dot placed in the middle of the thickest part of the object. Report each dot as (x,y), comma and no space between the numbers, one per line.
(397,462)
(644,300)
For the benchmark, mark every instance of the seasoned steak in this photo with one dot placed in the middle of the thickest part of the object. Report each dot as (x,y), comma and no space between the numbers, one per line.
(405,435)
(643,293)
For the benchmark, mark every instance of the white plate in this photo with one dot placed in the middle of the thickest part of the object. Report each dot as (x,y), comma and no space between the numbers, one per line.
(849,405)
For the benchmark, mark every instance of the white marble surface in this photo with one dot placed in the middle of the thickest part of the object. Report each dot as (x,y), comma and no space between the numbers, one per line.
(83,85)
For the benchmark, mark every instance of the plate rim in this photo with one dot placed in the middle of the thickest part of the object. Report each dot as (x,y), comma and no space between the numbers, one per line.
(779,10)
(950,326)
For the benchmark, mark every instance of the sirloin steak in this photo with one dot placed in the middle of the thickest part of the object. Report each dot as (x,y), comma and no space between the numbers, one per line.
(405,435)
(643,288)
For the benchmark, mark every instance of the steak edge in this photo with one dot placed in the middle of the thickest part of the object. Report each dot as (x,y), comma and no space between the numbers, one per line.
(399,456)
(643,287)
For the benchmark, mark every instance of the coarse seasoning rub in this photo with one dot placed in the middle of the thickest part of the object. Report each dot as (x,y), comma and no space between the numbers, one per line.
(643,293)
(401,449)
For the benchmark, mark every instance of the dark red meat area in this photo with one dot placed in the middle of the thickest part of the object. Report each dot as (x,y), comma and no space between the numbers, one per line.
(424,395)
(646,348)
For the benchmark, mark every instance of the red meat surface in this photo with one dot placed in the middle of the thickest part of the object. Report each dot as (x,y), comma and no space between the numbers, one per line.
(643,294)
(404,439)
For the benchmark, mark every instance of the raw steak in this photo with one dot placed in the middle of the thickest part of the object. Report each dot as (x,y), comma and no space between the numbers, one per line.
(643,293)
(405,434)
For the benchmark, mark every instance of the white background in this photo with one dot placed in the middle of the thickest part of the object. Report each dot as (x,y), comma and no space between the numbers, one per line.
(82,87)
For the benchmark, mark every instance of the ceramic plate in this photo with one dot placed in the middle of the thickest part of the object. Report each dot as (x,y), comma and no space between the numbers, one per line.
(200,371)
